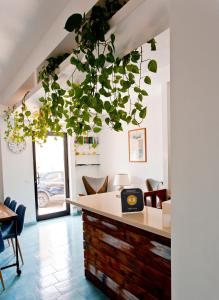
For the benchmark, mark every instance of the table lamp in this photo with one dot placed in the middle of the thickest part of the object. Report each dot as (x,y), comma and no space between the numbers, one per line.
(121,180)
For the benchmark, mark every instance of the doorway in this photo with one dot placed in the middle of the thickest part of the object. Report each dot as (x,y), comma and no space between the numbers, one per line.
(51,177)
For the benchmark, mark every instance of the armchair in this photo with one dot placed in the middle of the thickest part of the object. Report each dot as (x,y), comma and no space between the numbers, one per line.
(95,185)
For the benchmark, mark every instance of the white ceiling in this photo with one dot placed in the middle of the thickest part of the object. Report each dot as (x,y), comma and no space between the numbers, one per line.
(30,30)
(22,25)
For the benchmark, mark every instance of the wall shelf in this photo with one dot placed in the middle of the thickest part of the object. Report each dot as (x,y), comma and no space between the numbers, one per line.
(85,154)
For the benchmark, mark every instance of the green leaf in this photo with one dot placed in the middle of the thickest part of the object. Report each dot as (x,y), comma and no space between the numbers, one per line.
(143,113)
(80,139)
(99,106)
(78,92)
(74,61)
(137,89)
(86,116)
(87,127)
(88,35)
(108,70)
(133,68)
(140,97)
(27,113)
(138,106)
(45,87)
(61,92)
(152,66)
(125,99)
(117,126)
(153,44)
(73,22)
(103,92)
(147,80)
(69,131)
(125,84)
(112,38)
(106,84)
(107,105)
(90,58)
(121,70)
(131,78)
(101,60)
(110,58)
(96,129)
(134,122)
(135,56)
(128,119)
(68,83)
(133,111)
(107,120)
(144,93)
(97,121)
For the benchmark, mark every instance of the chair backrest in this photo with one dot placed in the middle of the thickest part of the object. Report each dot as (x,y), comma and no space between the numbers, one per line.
(7,201)
(13,205)
(153,185)
(20,211)
(156,198)
(2,246)
(95,185)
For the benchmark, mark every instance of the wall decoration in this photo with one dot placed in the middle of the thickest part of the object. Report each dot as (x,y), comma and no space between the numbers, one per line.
(137,145)
(17,147)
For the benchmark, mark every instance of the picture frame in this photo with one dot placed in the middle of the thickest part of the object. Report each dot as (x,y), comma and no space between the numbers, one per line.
(137,145)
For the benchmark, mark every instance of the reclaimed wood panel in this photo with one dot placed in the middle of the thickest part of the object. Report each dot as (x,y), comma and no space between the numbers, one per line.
(124,261)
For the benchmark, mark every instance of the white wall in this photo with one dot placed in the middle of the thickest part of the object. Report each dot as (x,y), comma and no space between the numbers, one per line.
(115,153)
(195,147)
(18,182)
(166,134)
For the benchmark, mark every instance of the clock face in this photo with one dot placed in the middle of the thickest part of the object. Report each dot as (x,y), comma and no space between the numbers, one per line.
(16,147)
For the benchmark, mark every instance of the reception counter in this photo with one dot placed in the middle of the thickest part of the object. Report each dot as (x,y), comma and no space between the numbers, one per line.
(126,255)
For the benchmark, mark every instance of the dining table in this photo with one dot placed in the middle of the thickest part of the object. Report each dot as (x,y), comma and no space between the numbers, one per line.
(7,215)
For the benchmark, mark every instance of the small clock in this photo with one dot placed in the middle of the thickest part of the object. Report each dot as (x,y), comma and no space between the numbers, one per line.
(17,147)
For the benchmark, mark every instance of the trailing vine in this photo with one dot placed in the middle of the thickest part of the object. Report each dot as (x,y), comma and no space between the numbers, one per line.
(111,88)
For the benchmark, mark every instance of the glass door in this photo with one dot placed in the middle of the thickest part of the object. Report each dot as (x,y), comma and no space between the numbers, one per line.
(51,177)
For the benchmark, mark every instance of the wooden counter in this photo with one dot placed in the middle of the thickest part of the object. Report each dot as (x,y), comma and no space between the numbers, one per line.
(109,205)
(126,255)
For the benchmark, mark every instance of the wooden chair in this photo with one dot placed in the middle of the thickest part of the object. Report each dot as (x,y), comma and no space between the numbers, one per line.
(156,197)
(95,185)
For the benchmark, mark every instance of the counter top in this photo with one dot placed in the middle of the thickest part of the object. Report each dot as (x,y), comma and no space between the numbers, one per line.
(109,205)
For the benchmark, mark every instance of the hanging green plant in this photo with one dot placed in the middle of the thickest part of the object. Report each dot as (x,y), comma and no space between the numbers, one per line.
(111,89)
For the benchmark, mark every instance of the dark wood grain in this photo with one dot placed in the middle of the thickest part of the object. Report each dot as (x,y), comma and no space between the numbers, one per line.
(124,261)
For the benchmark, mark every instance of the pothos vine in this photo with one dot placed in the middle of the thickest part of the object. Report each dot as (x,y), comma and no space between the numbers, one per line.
(111,88)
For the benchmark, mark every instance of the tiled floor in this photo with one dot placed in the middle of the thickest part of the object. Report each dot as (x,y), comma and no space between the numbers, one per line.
(53,264)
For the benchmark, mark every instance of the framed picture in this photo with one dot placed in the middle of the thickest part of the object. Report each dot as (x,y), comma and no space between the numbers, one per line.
(137,145)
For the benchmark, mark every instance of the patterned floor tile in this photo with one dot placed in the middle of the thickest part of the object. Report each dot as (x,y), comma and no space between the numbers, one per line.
(53,264)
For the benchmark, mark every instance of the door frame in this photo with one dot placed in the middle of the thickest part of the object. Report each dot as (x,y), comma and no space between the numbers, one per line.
(67,190)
